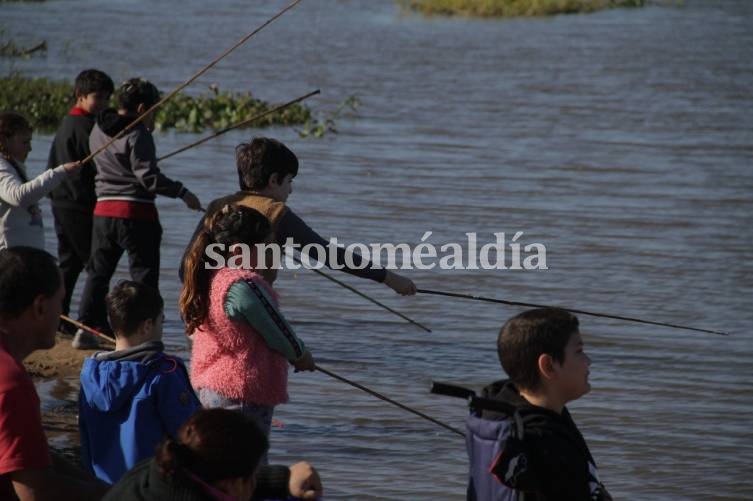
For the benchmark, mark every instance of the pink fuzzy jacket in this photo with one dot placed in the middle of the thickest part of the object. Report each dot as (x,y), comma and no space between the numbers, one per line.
(230,357)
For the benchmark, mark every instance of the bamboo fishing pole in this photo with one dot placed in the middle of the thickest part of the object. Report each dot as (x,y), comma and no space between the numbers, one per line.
(368,298)
(572,310)
(239,124)
(162,101)
(87,328)
(389,400)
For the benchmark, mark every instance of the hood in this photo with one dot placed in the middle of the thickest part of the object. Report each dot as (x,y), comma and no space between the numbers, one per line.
(109,380)
(537,420)
(111,122)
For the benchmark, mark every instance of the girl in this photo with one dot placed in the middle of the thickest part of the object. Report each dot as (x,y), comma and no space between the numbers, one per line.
(241,342)
(215,456)
(20,216)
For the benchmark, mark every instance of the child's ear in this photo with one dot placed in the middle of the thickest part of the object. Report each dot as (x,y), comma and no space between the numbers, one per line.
(146,326)
(274,179)
(546,366)
(39,306)
(141,108)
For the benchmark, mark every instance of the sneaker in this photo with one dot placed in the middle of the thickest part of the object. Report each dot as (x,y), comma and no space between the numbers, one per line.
(84,340)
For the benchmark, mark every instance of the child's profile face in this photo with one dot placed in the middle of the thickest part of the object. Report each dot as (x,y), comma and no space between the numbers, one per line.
(572,373)
(19,145)
(280,190)
(94,102)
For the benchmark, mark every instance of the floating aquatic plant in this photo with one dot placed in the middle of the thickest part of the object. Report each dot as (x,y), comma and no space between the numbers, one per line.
(513,8)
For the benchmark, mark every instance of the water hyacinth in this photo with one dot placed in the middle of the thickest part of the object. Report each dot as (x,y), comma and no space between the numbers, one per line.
(513,8)
(222,109)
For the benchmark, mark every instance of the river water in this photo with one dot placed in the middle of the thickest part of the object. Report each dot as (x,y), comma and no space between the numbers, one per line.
(621,140)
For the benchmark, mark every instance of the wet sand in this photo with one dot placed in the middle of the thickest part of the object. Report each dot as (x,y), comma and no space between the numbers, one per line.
(55,373)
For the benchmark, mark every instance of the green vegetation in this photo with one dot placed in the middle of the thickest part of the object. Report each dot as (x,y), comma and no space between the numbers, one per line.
(45,102)
(222,109)
(513,8)
(319,127)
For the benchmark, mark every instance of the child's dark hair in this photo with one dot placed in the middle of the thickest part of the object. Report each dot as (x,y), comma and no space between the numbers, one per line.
(230,225)
(137,91)
(89,81)
(130,303)
(11,123)
(527,336)
(25,273)
(214,444)
(258,160)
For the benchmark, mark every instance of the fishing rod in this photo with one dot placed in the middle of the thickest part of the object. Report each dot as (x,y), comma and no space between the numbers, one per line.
(239,124)
(87,328)
(389,400)
(572,310)
(356,291)
(162,101)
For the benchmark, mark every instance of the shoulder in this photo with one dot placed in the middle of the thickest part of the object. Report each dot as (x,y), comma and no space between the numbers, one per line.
(83,123)
(168,365)
(12,375)
(5,165)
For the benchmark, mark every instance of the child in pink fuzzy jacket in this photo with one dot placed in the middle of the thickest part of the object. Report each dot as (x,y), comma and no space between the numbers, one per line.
(242,344)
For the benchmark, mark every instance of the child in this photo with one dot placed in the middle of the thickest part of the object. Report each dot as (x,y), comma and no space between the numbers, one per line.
(533,447)
(31,297)
(266,169)
(125,217)
(20,216)
(131,398)
(241,343)
(73,201)
(216,455)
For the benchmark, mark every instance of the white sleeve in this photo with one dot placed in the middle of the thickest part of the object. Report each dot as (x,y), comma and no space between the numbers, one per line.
(16,193)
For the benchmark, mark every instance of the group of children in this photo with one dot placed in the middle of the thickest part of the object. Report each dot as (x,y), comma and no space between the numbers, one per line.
(133,397)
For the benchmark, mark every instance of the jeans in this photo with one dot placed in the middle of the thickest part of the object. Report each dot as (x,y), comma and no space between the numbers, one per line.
(260,414)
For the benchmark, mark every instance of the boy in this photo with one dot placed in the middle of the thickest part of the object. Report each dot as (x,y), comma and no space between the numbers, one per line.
(266,169)
(531,444)
(133,397)
(31,298)
(73,201)
(125,217)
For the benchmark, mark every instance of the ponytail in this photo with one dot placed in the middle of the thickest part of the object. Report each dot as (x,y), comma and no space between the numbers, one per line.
(231,225)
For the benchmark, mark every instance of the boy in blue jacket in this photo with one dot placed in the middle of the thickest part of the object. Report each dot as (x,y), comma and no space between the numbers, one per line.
(135,396)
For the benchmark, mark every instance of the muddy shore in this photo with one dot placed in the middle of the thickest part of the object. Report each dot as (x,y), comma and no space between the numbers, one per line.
(55,373)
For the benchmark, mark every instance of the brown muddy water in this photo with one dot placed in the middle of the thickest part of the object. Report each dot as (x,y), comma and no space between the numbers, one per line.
(621,140)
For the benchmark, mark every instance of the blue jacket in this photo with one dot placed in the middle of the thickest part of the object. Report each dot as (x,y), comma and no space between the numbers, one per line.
(129,401)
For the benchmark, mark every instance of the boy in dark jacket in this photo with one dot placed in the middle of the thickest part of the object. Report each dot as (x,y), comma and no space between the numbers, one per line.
(73,201)
(125,216)
(133,397)
(530,447)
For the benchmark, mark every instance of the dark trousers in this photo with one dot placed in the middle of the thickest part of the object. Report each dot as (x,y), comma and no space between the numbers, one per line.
(110,238)
(74,231)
